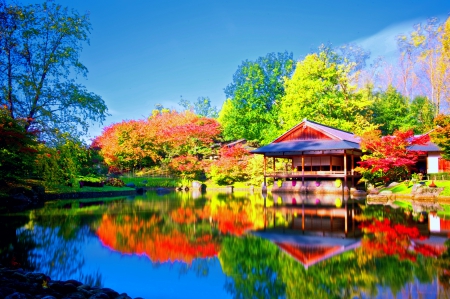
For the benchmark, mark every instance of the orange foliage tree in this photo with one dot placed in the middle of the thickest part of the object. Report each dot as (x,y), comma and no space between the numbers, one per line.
(159,139)
(231,166)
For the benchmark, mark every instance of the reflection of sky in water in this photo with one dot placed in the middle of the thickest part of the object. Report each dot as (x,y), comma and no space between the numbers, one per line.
(135,275)
(68,247)
(138,276)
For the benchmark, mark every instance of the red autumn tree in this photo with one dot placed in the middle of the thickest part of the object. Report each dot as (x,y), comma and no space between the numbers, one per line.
(389,158)
(128,144)
(169,137)
(184,133)
(231,166)
(187,166)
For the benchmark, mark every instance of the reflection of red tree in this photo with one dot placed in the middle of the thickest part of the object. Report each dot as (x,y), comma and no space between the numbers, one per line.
(132,235)
(384,238)
(183,215)
(232,222)
(232,219)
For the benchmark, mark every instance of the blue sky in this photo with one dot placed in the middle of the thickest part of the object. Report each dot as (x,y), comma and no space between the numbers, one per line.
(146,52)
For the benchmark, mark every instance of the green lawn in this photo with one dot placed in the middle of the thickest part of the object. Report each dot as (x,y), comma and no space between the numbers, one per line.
(67,189)
(174,182)
(153,182)
(403,189)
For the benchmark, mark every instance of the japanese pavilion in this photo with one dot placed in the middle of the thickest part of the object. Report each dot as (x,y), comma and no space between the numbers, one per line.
(319,152)
(315,151)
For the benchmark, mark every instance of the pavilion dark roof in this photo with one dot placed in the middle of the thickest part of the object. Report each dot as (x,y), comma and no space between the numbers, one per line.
(329,131)
(333,139)
(299,146)
(427,147)
(336,140)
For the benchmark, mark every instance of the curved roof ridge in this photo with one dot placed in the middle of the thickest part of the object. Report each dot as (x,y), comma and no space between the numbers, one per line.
(334,133)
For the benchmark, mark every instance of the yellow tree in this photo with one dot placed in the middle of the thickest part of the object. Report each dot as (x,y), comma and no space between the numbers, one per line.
(424,67)
(321,89)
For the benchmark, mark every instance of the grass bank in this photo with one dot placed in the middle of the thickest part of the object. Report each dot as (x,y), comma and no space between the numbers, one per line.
(403,188)
(154,182)
(6,189)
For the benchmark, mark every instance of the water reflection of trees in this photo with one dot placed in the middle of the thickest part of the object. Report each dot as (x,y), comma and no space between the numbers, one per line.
(14,247)
(184,233)
(253,267)
(58,256)
(150,236)
(188,229)
(257,268)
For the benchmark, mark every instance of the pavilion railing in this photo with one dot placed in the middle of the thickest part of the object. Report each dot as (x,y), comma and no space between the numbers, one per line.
(300,173)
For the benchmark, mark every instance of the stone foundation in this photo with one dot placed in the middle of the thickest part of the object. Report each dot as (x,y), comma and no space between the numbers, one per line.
(321,187)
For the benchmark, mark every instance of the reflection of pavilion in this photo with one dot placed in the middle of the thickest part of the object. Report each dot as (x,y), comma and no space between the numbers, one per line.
(310,250)
(329,215)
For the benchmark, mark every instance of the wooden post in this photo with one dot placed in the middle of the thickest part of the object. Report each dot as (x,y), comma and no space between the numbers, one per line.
(303,170)
(331,164)
(345,168)
(346,212)
(265,171)
(353,172)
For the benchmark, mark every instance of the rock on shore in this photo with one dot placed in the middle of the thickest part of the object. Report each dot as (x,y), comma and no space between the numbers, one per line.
(20,284)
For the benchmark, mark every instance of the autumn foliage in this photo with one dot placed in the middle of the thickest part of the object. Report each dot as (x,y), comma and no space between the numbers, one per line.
(174,239)
(385,238)
(390,156)
(232,165)
(134,235)
(229,219)
(441,135)
(181,137)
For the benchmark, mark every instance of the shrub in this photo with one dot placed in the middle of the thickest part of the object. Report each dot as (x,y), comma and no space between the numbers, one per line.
(115,182)
(17,150)
(231,166)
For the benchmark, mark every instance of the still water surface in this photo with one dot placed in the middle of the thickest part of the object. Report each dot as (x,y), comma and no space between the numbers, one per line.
(240,245)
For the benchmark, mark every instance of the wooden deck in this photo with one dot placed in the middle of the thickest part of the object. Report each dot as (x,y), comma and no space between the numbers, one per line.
(311,174)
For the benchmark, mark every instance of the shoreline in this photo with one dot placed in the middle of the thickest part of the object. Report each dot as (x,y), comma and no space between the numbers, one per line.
(26,199)
(416,198)
(19,283)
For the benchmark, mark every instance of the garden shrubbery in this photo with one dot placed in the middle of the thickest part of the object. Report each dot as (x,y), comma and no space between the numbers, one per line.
(114,182)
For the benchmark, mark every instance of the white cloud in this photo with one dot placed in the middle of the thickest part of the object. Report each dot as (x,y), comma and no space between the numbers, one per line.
(384,42)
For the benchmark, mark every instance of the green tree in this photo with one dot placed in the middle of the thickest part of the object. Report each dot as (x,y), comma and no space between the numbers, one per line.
(64,161)
(40,64)
(422,112)
(202,106)
(391,111)
(321,90)
(251,111)
(17,148)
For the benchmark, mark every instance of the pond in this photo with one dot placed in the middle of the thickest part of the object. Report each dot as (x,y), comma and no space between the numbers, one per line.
(232,245)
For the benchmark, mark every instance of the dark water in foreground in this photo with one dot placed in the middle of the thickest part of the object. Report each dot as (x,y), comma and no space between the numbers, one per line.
(184,245)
